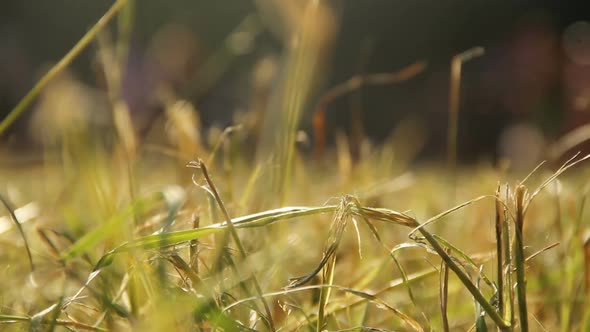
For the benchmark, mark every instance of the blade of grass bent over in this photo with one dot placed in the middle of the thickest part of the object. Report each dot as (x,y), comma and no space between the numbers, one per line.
(375,233)
(249,221)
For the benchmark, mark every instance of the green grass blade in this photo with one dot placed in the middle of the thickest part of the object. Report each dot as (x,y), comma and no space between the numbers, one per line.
(19,109)
(92,238)
(249,221)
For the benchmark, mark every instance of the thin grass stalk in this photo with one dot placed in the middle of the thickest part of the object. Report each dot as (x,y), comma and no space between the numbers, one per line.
(444,293)
(235,236)
(507,268)
(499,252)
(18,225)
(586,249)
(60,66)
(350,85)
(520,259)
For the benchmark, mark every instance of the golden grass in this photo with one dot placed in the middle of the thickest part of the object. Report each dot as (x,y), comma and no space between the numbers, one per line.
(124,236)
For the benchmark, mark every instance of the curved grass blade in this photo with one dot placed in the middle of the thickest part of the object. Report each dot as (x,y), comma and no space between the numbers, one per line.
(337,228)
(10,209)
(401,269)
(249,221)
(392,216)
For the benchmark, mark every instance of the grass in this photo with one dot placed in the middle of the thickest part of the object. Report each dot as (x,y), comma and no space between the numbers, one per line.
(192,234)
(120,274)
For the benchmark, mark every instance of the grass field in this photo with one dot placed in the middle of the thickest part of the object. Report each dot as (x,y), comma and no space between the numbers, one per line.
(177,232)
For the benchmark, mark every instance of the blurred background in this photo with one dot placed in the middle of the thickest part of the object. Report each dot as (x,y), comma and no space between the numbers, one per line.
(225,57)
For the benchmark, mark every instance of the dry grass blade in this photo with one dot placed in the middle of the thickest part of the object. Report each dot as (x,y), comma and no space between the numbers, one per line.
(386,215)
(337,228)
(569,141)
(549,247)
(442,214)
(568,164)
(51,247)
(454,100)
(532,172)
(350,85)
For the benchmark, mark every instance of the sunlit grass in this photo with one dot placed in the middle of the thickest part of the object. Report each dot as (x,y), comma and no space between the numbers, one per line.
(180,232)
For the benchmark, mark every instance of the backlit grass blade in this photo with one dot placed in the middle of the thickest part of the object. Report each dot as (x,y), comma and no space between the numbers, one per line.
(19,109)
(250,221)
(92,238)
